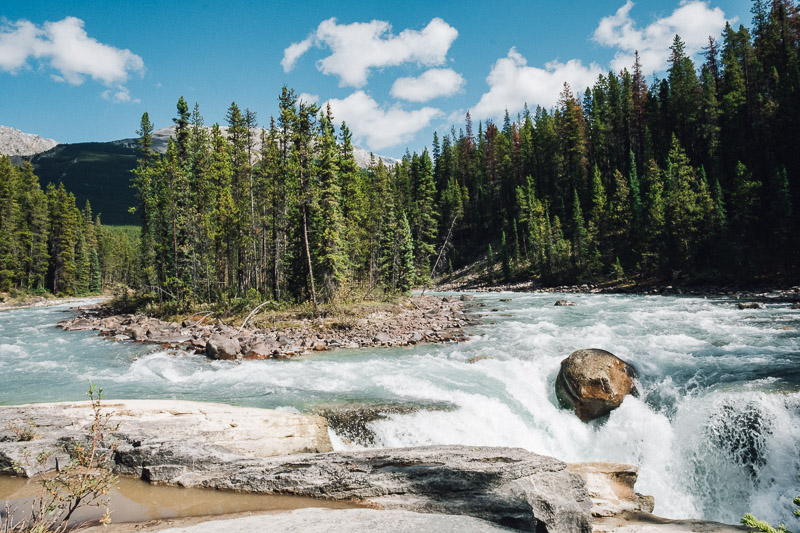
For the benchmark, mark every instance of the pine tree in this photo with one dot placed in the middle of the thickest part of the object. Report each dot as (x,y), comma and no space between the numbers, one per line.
(653,215)
(425,215)
(329,228)
(580,240)
(407,272)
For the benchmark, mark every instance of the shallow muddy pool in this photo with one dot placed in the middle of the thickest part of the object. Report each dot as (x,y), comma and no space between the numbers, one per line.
(138,501)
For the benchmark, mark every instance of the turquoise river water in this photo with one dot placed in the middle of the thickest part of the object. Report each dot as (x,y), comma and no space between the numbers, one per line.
(715,429)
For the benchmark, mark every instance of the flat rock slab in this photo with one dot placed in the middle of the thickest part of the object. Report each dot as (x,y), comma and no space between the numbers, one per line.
(188,431)
(346,521)
(508,486)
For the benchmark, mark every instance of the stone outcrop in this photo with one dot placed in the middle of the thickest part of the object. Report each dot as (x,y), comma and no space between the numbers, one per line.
(564,303)
(610,487)
(231,448)
(169,431)
(593,382)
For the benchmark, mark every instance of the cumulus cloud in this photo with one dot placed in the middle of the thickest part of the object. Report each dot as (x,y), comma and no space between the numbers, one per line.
(18,41)
(69,50)
(512,84)
(293,53)
(380,127)
(359,47)
(119,95)
(431,84)
(693,20)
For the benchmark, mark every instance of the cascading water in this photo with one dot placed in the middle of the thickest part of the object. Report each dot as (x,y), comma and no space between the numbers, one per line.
(715,429)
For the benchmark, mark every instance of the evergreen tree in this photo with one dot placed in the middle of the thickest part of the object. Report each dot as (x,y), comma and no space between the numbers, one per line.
(329,221)
(406,273)
(505,256)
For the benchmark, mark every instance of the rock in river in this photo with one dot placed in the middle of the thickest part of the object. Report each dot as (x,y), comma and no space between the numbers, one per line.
(220,347)
(564,303)
(593,382)
(750,305)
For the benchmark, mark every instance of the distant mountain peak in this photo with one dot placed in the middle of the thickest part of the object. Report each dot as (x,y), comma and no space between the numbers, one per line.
(161,137)
(14,142)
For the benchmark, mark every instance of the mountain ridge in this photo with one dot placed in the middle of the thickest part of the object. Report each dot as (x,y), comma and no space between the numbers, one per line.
(14,142)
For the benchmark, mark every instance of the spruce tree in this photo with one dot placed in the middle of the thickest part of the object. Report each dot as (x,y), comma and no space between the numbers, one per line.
(407,272)
(329,227)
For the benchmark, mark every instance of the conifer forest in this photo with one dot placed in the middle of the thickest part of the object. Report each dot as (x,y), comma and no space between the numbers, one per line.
(694,178)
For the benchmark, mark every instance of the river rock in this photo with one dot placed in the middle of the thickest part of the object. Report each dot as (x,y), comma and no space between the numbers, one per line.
(750,305)
(564,303)
(353,422)
(466,298)
(220,347)
(382,338)
(593,382)
(261,350)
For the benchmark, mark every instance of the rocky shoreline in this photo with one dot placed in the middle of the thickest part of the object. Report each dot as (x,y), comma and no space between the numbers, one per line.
(194,444)
(416,320)
(766,292)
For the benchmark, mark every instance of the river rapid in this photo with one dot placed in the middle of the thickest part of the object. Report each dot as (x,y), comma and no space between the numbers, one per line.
(715,429)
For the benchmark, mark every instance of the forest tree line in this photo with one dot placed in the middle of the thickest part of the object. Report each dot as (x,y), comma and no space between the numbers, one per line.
(689,177)
(47,244)
(692,177)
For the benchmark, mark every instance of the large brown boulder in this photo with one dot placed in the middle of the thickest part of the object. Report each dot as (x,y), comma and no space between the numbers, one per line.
(221,347)
(593,382)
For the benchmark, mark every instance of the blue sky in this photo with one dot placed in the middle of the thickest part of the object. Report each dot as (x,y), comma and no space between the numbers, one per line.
(395,71)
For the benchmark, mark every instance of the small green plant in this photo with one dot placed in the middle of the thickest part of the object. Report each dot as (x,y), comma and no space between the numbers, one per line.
(85,481)
(760,525)
(24,432)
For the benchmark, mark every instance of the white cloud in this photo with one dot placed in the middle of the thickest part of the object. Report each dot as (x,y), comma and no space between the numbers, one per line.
(512,84)
(694,21)
(293,53)
(431,84)
(359,47)
(71,52)
(377,126)
(17,42)
(119,95)
(308,98)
